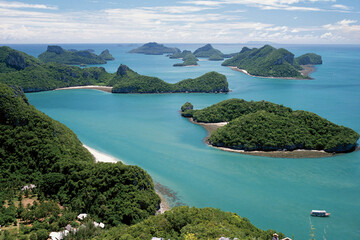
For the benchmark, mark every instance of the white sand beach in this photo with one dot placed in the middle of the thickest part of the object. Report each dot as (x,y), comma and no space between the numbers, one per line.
(101,88)
(102,157)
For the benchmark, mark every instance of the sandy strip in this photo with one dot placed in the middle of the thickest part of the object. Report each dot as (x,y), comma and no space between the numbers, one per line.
(307,69)
(102,157)
(164,205)
(298,153)
(101,88)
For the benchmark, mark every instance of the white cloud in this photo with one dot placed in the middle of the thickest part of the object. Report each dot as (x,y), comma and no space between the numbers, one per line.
(340,6)
(346,29)
(286,5)
(178,9)
(326,35)
(4,4)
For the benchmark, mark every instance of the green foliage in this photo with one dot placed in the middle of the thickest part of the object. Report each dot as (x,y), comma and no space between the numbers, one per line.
(59,55)
(106,55)
(189,60)
(42,234)
(207,51)
(267,126)
(153,48)
(190,223)
(187,106)
(267,61)
(37,149)
(216,57)
(128,81)
(17,68)
(309,58)
(181,54)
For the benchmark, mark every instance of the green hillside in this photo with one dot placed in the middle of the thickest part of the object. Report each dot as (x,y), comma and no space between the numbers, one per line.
(188,60)
(309,58)
(59,55)
(267,126)
(106,55)
(39,150)
(207,51)
(153,48)
(268,61)
(190,224)
(21,69)
(128,81)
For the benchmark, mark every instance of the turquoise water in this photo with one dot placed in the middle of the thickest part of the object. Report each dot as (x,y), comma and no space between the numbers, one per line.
(147,130)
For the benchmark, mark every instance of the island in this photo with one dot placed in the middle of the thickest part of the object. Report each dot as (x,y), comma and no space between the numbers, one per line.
(59,55)
(208,51)
(106,55)
(129,81)
(269,129)
(188,58)
(153,48)
(51,186)
(268,61)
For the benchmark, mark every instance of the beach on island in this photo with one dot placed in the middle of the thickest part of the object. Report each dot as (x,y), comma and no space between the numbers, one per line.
(298,153)
(103,157)
(306,71)
(96,87)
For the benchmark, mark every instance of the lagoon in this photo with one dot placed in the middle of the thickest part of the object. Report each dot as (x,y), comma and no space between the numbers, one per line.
(148,131)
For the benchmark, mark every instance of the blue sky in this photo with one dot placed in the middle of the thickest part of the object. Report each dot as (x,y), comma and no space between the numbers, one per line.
(186,21)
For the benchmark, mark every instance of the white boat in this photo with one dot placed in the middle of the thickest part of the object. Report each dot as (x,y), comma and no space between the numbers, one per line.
(319,213)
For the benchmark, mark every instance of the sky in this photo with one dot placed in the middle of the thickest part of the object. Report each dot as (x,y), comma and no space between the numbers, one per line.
(186,21)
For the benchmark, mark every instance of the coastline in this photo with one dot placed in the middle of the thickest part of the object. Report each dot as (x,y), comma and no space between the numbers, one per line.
(103,157)
(298,153)
(307,70)
(96,87)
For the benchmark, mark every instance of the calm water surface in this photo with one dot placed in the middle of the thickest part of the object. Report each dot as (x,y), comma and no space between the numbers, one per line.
(147,130)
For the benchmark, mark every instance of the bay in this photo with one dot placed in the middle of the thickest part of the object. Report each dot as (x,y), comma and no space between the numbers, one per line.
(148,131)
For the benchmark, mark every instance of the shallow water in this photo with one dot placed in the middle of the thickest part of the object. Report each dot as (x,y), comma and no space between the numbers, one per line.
(147,130)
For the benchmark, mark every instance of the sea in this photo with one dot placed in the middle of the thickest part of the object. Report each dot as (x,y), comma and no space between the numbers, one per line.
(273,193)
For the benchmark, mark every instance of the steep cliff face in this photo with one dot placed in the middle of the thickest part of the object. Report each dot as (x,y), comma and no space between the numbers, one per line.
(55,49)
(16,60)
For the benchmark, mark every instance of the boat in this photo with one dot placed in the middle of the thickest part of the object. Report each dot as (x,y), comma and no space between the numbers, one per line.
(319,213)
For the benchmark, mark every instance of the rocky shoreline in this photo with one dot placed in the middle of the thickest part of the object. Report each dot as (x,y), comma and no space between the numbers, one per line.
(299,153)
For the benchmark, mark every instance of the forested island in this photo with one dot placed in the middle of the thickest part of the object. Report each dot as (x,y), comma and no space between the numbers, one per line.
(153,48)
(59,55)
(32,75)
(188,58)
(265,126)
(128,81)
(268,61)
(48,178)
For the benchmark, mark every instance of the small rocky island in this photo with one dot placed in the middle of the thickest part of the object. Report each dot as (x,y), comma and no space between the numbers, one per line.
(188,58)
(153,48)
(129,81)
(268,129)
(268,61)
(74,57)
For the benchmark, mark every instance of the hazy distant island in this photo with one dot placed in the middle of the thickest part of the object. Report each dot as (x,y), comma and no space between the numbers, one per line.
(128,81)
(28,72)
(59,55)
(153,48)
(268,61)
(51,184)
(250,127)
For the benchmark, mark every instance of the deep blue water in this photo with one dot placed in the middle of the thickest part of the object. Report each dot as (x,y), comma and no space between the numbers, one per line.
(147,130)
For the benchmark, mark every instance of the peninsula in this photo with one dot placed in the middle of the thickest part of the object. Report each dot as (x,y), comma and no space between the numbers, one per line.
(59,55)
(128,81)
(268,127)
(268,61)
(153,48)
